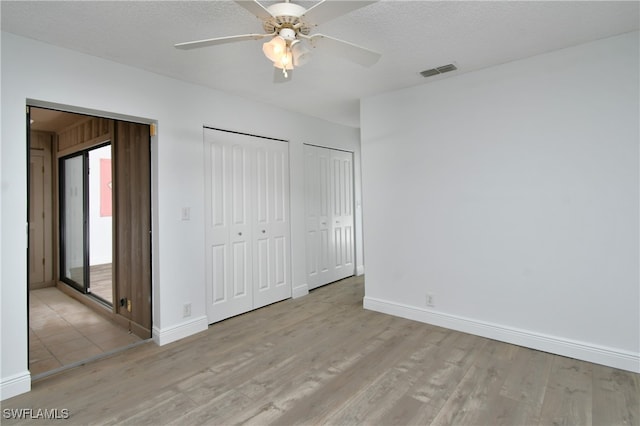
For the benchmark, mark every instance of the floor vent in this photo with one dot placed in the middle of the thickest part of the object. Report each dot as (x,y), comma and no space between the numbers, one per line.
(438,70)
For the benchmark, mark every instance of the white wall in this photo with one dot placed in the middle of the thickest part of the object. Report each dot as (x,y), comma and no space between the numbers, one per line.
(511,194)
(36,71)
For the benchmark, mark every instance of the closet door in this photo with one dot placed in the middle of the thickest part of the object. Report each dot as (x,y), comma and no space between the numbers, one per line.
(342,214)
(329,215)
(229,271)
(247,223)
(318,215)
(271,224)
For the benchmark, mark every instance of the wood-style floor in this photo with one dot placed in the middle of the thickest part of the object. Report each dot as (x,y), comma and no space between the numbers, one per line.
(101,278)
(322,359)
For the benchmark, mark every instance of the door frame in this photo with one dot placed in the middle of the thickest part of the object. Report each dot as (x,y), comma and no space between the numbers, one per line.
(153,140)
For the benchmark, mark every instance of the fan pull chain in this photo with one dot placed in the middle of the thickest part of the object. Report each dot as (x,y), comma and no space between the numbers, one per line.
(285,60)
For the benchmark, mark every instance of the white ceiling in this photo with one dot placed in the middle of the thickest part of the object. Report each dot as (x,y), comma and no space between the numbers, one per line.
(411,35)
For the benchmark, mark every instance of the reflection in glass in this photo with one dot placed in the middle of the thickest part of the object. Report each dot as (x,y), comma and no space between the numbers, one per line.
(100,223)
(73,221)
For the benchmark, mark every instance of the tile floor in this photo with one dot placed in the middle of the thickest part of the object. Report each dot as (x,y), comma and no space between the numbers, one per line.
(63,331)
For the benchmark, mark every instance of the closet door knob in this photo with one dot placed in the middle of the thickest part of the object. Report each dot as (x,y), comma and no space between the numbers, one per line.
(263,231)
(240,233)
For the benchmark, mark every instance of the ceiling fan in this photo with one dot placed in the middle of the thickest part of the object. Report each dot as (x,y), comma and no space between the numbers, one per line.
(288,25)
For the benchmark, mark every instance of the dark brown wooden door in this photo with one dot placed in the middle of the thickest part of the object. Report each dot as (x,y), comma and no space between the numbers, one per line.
(132,227)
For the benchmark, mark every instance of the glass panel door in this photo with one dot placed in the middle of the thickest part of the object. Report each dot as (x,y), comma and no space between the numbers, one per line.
(86,222)
(72,221)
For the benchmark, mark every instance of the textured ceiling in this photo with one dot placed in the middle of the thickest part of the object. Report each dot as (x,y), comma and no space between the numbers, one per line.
(411,35)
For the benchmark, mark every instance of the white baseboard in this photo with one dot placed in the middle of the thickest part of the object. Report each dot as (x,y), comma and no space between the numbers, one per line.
(300,291)
(360,270)
(15,385)
(611,357)
(171,334)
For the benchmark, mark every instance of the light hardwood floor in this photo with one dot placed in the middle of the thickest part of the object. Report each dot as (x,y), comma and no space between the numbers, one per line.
(101,278)
(322,359)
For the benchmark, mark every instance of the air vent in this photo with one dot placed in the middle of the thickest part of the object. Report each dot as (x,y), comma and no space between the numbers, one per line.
(438,70)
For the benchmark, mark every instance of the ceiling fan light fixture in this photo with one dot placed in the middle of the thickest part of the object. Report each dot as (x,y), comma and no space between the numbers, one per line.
(286,25)
(301,54)
(275,48)
(285,62)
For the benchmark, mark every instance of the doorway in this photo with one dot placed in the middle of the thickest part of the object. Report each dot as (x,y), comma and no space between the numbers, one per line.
(82,230)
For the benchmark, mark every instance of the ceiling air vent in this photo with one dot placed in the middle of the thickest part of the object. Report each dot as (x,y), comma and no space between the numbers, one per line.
(438,70)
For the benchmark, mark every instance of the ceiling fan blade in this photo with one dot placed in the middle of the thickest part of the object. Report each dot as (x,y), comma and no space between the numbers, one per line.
(278,75)
(220,40)
(353,52)
(256,8)
(326,10)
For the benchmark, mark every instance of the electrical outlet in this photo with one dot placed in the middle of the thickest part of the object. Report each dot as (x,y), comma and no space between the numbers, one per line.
(431,300)
(186,310)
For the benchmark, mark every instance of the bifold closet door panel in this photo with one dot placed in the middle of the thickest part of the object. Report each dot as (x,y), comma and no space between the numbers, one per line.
(229,266)
(342,214)
(318,215)
(271,227)
(311,208)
